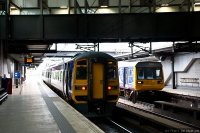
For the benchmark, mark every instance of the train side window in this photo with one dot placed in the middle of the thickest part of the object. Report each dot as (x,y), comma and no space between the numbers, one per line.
(54,75)
(61,75)
(69,74)
(158,74)
(57,75)
(141,74)
(126,75)
(112,72)
(130,75)
(81,72)
(130,71)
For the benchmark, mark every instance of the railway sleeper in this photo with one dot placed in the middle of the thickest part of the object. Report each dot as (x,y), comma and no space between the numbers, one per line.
(176,108)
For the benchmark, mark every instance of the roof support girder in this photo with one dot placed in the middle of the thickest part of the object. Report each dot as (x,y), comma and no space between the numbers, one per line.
(82,28)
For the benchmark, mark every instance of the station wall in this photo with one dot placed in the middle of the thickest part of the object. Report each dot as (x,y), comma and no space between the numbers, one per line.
(6,63)
(186,65)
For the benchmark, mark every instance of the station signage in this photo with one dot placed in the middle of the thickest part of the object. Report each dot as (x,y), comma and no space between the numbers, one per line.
(17,75)
(28,60)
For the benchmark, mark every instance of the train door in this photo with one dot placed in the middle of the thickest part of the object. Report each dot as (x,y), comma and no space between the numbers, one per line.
(64,79)
(126,77)
(126,85)
(130,77)
(98,72)
(49,75)
(68,81)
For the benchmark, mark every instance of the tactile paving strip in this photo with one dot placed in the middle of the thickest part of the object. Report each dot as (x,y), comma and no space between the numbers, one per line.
(59,118)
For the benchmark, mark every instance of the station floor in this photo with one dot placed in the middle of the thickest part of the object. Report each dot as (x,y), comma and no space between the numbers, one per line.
(184,90)
(34,108)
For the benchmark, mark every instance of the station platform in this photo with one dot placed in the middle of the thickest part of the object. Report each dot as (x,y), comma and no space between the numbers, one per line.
(34,108)
(184,90)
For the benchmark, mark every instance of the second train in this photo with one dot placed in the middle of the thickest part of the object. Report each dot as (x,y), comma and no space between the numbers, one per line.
(139,79)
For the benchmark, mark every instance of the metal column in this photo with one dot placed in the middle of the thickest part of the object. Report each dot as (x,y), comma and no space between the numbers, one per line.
(16,69)
(173,73)
(24,73)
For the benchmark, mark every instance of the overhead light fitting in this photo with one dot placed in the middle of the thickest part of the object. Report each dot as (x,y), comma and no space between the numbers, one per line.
(164,4)
(197,4)
(104,6)
(12,7)
(63,6)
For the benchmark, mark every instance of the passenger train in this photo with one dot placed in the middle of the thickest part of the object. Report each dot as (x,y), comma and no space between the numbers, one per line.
(89,82)
(138,78)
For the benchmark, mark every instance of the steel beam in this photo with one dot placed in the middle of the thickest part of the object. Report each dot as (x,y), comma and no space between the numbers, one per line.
(18,51)
(103,27)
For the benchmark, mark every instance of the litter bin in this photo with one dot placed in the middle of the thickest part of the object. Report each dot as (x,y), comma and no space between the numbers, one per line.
(9,86)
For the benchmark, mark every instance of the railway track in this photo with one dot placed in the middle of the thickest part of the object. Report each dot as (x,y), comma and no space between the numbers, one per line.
(111,125)
(146,117)
(145,112)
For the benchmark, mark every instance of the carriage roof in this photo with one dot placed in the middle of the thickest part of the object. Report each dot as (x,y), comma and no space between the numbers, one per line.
(94,55)
(139,64)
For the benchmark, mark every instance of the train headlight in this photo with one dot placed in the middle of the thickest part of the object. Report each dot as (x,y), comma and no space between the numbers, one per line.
(81,88)
(140,82)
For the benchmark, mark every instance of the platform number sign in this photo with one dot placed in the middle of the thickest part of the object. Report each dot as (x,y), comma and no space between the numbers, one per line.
(28,60)
(17,75)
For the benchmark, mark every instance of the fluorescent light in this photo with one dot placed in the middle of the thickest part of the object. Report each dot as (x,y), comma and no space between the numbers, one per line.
(63,6)
(197,4)
(12,7)
(104,6)
(164,4)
